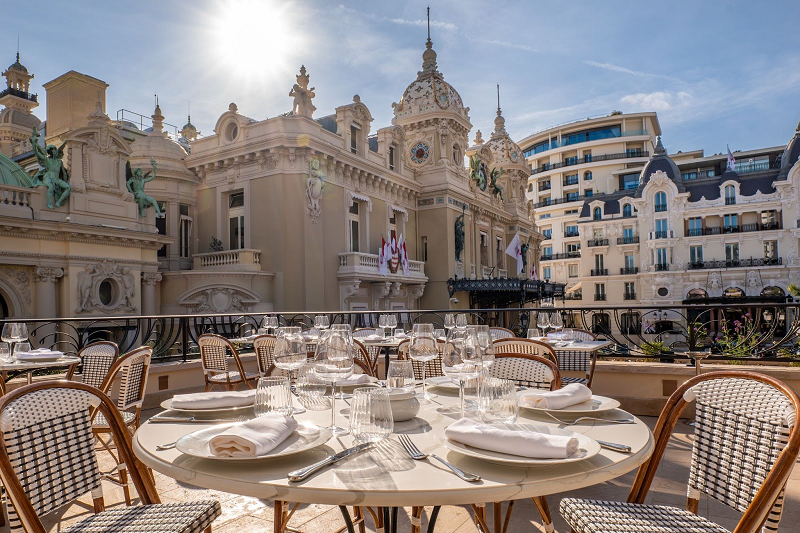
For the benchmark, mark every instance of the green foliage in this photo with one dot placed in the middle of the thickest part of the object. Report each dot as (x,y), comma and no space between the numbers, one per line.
(739,340)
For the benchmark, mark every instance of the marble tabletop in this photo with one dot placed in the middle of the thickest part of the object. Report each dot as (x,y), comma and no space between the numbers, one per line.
(385,476)
(64,360)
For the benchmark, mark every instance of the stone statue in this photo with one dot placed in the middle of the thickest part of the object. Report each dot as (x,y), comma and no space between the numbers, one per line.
(85,279)
(302,95)
(135,181)
(496,189)
(477,171)
(216,245)
(52,173)
(314,187)
(524,251)
(459,233)
(129,284)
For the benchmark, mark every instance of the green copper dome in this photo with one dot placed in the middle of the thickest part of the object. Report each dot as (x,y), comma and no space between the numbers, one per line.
(12,174)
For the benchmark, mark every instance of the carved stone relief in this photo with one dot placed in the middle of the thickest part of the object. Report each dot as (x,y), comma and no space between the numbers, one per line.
(220,300)
(314,186)
(106,287)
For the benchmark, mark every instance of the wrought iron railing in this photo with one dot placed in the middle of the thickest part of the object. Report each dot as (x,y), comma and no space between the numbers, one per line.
(736,263)
(627,271)
(597,242)
(20,94)
(599,272)
(594,159)
(749,329)
(631,239)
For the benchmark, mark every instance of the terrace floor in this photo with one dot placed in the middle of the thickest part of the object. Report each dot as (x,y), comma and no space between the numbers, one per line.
(240,513)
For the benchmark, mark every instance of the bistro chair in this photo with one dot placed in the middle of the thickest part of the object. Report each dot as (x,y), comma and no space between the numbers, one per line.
(370,355)
(526,370)
(47,459)
(132,369)
(746,441)
(578,360)
(527,346)
(501,333)
(97,359)
(433,367)
(264,348)
(215,364)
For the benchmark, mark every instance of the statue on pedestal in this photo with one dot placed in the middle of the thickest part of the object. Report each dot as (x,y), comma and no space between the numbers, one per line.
(459,233)
(302,95)
(524,251)
(52,173)
(135,180)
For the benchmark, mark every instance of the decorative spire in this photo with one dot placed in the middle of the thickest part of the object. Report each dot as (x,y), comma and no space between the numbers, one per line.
(478,137)
(498,99)
(429,55)
(158,120)
(499,121)
(659,147)
(797,129)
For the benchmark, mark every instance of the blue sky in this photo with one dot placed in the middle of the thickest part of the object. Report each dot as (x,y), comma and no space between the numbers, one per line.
(717,73)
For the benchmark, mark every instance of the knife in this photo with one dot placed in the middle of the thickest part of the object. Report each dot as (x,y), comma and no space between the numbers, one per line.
(191,420)
(623,448)
(299,475)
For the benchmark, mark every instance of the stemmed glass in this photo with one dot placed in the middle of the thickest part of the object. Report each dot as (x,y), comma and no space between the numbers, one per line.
(557,323)
(485,344)
(321,322)
(543,322)
(333,361)
(270,322)
(290,353)
(461,320)
(461,358)
(14,332)
(422,347)
(382,323)
(449,321)
(391,321)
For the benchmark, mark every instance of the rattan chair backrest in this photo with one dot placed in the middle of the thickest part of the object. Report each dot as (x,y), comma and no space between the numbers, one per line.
(527,346)
(368,356)
(583,335)
(213,354)
(97,359)
(526,370)
(264,347)
(133,369)
(501,333)
(364,332)
(433,367)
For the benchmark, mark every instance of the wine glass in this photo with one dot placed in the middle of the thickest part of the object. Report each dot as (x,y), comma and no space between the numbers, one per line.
(391,321)
(321,322)
(14,332)
(290,352)
(382,323)
(533,333)
(461,320)
(422,347)
(5,352)
(543,322)
(333,361)
(449,321)
(557,323)
(485,344)
(461,358)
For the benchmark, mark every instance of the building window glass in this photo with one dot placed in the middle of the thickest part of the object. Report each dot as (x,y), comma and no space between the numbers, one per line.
(730,195)
(546,273)
(588,193)
(587,176)
(598,262)
(571,231)
(354,139)
(391,158)
(600,289)
(661,228)
(572,179)
(354,221)
(499,252)
(573,247)
(185,234)
(629,264)
(573,271)
(769,219)
(548,233)
(732,252)
(770,249)
(661,202)
(236,222)
(627,210)
(572,196)
(731,223)
(456,154)
(629,181)
(661,257)
(161,226)
(627,235)
(696,254)
(598,213)
(630,290)
(695,226)
(547,251)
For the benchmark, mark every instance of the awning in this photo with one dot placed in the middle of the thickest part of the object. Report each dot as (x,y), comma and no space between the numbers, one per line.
(574,288)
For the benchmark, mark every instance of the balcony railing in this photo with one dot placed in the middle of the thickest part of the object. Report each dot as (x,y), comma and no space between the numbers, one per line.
(592,159)
(574,296)
(544,186)
(730,201)
(244,259)
(661,234)
(599,297)
(749,168)
(749,227)
(357,263)
(598,242)
(770,225)
(19,94)
(561,255)
(625,271)
(661,267)
(572,233)
(567,199)
(600,272)
(572,180)
(630,296)
(730,229)
(695,232)
(713,230)
(736,263)
(630,239)
(660,208)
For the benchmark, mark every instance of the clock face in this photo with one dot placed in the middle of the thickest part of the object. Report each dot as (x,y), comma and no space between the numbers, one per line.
(419,152)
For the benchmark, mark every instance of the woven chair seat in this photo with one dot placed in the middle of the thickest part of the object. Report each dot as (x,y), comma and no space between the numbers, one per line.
(101,422)
(187,517)
(595,516)
(566,380)
(234,376)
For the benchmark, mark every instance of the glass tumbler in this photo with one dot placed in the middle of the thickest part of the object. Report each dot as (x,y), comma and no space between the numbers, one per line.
(401,375)
(371,414)
(308,385)
(5,352)
(273,396)
(499,401)
(533,333)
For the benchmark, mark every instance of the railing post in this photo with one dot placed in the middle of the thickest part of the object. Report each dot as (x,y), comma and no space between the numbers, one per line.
(184,325)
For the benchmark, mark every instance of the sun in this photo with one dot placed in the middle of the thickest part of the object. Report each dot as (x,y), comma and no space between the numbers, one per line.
(252,37)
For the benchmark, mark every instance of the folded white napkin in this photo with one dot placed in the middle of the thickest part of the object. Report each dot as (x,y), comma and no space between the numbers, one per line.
(557,399)
(355,379)
(39,353)
(374,337)
(514,442)
(254,437)
(214,400)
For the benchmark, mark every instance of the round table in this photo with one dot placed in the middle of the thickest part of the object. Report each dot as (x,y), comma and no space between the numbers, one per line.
(385,476)
(17,367)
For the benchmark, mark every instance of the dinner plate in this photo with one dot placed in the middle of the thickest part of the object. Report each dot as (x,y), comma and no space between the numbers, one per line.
(444,382)
(587,448)
(306,437)
(38,357)
(598,404)
(371,383)
(167,404)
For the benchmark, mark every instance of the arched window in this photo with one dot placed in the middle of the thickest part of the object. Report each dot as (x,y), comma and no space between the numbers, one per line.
(587,176)
(661,201)
(598,213)
(696,294)
(456,155)
(627,210)
(730,195)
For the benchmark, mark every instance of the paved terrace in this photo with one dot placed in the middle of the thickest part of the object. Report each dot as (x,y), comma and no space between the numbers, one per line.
(240,513)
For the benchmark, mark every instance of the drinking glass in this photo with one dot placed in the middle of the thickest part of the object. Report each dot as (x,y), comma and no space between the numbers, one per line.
(391,321)
(449,321)
(461,358)
(290,350)
(461,320)
(533,333)
(543,321)
(341,395)
(382,322)
(273,395)
(21,347)
(485,344)
(439,334)
(270,322)
(308,385)
(422,347)
(499,401)
(401,375)
(399,332)
(333,361)
(557,323)
(5,352)
(321,322)
(371,414)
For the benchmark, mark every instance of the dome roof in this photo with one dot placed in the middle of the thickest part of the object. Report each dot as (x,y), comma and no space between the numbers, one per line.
(12,174)
(18,66)
(661,161)
(169,155)
(790,154)
(505,151)
(19,118)
(429,93)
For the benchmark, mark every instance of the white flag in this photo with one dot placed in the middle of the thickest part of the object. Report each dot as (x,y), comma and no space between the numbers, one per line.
(514,250)
(401,249)
(382,258)
(731,160)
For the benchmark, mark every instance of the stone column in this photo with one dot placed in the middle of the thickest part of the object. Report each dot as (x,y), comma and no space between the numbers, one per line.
(45,279)
(149,280)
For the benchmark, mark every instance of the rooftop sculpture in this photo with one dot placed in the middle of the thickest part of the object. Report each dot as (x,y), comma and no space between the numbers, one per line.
(135,180)
(52,173)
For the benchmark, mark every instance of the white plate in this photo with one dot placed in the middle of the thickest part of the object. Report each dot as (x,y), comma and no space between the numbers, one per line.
(598,404)
(305,437)
(371,383)
(39,357)
(167,404)
(587,448)
(444,382)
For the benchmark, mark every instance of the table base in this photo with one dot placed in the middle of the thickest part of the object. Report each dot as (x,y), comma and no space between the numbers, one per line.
(386,519)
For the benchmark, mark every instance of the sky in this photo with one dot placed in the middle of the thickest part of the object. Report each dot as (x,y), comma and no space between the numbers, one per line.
(717,73)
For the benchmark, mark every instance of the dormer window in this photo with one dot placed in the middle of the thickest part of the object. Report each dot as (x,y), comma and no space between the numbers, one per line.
(730,195)
(661,202)
(354,139)
(597,214)
(391,158)
(627,211)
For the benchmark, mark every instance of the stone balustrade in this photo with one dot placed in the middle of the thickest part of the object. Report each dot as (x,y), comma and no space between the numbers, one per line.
(244,259)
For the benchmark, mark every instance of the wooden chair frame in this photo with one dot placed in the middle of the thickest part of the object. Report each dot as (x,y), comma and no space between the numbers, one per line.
(71,372)
(208,372)
(554,384)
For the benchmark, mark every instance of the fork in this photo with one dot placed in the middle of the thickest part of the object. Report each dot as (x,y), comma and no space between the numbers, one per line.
(412,450)
(577,420)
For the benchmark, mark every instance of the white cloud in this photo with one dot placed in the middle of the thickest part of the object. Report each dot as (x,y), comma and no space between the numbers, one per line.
(617,68)
(508,44)
(419,22)
(658,101)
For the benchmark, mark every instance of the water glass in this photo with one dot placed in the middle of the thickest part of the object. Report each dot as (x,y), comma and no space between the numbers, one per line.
(401,375)
(290,348)
(461,320)
(543,321)
(321,322)
(461,358)
(371,414)
(399,332)
(449,321)
(308,385)
(5,352)
(273,396)
(391,321)
(499,401)
(423,347)
(21,347)
(333,361)
(382,322)
(534,333)
(485,344)
(439,334)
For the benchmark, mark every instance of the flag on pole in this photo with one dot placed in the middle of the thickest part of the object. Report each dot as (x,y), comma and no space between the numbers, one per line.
(515,250)
(401,244)
(731,160)
(533,273)
(383,257)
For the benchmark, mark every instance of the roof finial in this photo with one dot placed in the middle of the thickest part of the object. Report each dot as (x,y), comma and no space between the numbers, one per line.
(429,25)
(659,147)
(429,55)
(18,48)
(498,98)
